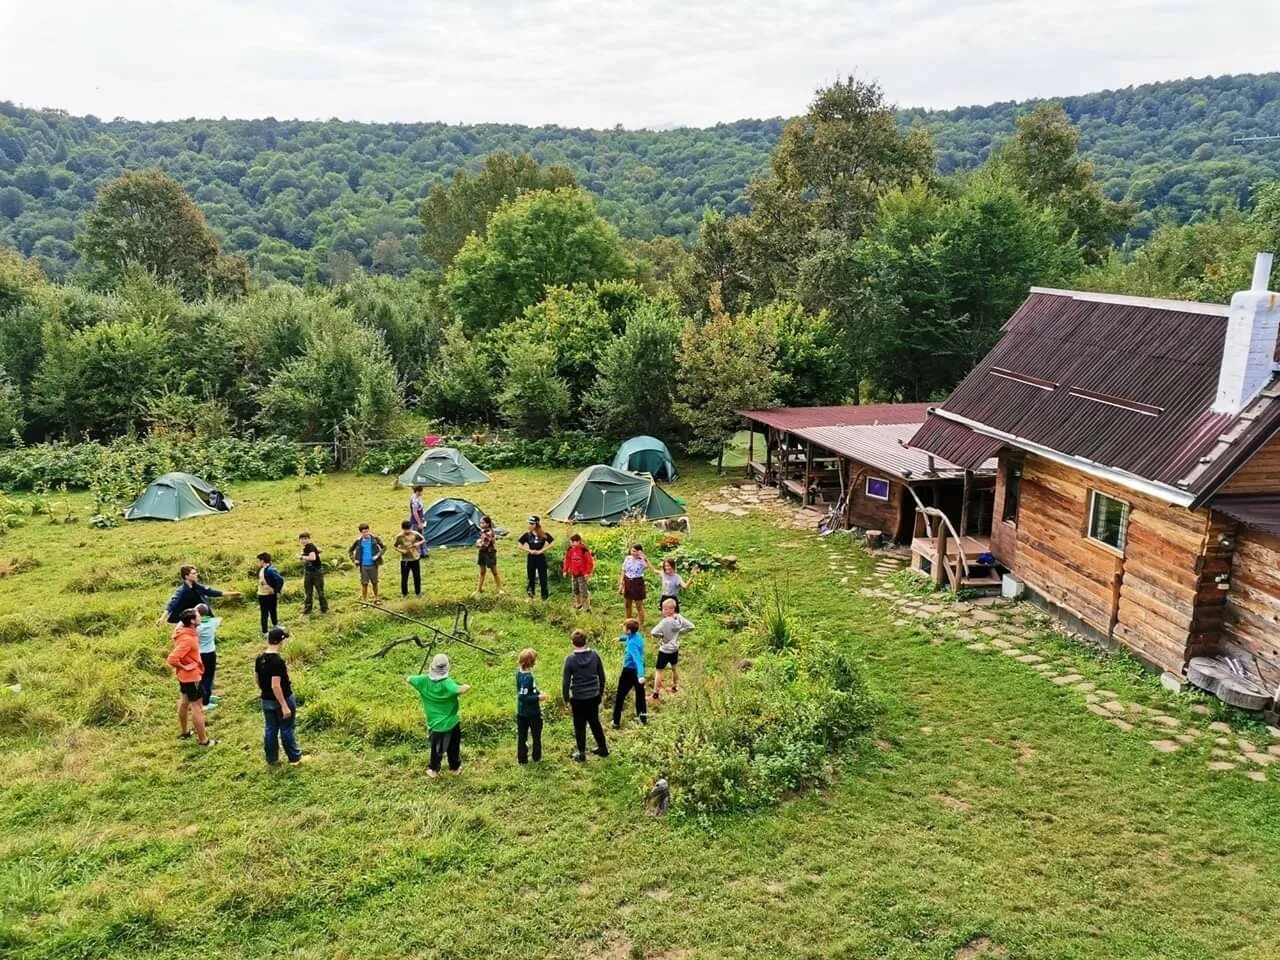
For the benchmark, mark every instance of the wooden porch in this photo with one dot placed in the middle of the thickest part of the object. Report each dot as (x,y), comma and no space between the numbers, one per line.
(952,560)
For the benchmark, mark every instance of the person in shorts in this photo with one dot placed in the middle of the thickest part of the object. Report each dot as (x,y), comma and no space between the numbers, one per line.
(668,631)
(366,553)
(578,565)
(487,554)
(186,662)
(631,582)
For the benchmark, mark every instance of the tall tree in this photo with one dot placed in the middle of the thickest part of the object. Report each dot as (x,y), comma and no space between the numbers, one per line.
(635,385)
(539,240)
(725,365)
(145,217)
(453,212)
(1044,161)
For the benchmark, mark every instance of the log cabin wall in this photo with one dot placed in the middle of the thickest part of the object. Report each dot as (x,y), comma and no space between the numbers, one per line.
(1004,533)
(872,513)
(1251,612)
(1152,597)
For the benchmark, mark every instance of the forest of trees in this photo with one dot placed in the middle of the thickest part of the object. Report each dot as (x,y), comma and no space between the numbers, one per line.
(317,200)
(852,271)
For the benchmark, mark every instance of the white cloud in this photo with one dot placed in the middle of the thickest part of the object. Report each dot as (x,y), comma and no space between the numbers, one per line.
(599,62)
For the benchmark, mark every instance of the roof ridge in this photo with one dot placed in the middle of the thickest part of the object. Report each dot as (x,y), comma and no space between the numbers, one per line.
(1155,303)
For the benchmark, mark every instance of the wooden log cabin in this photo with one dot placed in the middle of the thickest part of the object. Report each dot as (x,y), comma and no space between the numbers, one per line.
(1138,481)
(820,455)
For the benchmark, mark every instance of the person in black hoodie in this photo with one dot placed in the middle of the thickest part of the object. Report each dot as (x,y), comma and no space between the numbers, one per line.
(583,689)
(189,595)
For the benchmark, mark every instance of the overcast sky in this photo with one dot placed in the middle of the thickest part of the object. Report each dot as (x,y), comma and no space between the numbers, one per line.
(600,62)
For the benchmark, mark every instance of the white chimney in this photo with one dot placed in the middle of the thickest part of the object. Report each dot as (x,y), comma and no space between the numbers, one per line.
(1248,356)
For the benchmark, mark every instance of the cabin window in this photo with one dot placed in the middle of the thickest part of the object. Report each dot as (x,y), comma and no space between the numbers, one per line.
(1108,518)
(1012,492)
(877,489)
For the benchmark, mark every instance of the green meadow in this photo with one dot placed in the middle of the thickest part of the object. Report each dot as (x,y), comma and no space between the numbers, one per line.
(989,815)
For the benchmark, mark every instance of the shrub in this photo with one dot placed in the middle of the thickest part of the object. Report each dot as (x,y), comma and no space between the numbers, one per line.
(744,740)
(220,461)
(567,449)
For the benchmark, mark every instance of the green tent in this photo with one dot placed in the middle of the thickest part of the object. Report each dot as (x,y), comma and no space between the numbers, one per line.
(646,455)
(175,496)
(442,467)
(603,494)
(736,450)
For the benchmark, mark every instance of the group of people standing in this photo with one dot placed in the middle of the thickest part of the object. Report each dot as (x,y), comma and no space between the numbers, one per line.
(582,689)
(583,684)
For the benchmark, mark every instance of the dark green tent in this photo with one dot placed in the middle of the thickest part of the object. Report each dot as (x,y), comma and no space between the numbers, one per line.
(452,523)
(603,494)
(645,454)
(442,467)
(174,496)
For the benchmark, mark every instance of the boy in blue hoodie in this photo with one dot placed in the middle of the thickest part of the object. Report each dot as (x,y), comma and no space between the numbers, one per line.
(632,673)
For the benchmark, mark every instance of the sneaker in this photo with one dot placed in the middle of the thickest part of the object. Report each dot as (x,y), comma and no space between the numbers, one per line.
(185,736)
(296,763)
(644,719)
(210,743)
(615,726)
(576,757)
(458,772)
(600,753)
(431,773)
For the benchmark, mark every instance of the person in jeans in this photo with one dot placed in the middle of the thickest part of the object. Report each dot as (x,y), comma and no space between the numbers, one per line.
(312,573)
(186,663)
(190,594)
(206,635)
(439,693)
(578,565)
(279,709)
(528,708)
(535,542)
(270,583)
(366,553)
(582,687)
(632,676)
(409,545)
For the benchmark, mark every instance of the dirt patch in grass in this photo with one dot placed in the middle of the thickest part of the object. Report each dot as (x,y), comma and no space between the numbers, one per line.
(979,947)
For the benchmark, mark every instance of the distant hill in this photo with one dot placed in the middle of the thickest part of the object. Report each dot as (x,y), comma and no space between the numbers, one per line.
(295,195)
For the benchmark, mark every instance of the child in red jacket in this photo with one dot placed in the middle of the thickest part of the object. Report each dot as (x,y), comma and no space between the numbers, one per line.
(578,564)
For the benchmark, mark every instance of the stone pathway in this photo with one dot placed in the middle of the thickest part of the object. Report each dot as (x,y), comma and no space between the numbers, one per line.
(1028,636)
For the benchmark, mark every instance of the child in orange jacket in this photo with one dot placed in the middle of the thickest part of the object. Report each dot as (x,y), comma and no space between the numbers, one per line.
(186,662)
(578,565)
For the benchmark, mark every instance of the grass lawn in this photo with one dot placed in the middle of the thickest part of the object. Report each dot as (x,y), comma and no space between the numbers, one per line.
(995,818)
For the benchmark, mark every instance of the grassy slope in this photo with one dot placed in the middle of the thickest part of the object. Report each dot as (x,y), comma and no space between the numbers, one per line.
(998,807)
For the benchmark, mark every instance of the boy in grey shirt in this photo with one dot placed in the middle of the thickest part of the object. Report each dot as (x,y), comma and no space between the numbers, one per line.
(668,631)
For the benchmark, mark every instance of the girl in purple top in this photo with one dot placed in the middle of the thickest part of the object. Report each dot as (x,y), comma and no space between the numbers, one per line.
(631,581)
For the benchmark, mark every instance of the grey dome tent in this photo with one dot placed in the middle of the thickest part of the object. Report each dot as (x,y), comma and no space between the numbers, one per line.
(603,494)
(176,496)
(451,522)
(442,467)
(645,454)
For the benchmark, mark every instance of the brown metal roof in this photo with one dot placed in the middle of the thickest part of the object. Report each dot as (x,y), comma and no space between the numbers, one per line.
(1122,382)
(1261,510)
(794,418)
(882,447)
(955,442)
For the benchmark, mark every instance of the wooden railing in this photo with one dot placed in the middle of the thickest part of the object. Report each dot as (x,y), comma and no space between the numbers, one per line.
(943,568)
